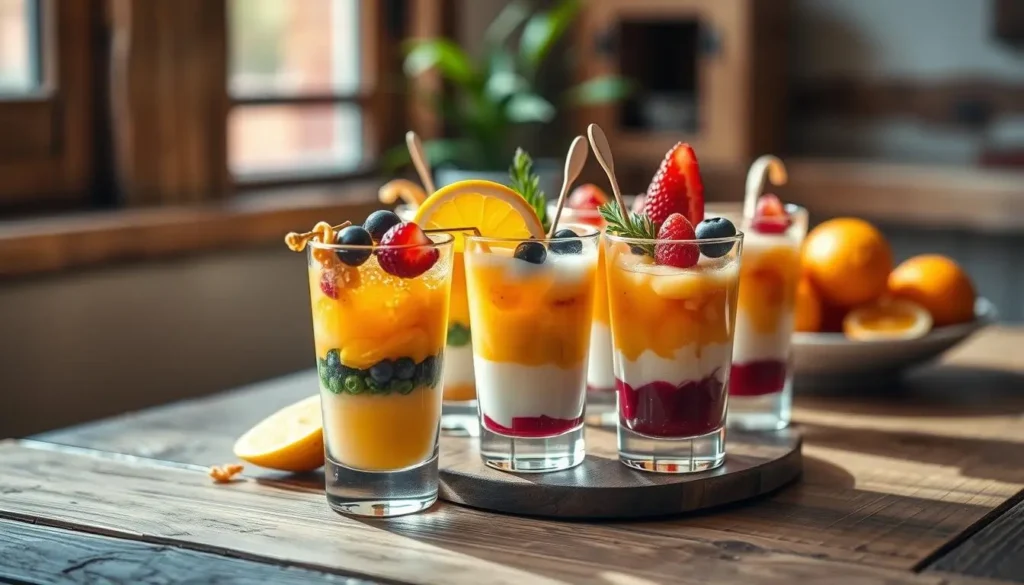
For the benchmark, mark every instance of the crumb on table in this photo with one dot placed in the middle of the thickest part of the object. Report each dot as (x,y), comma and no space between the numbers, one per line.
(225,473)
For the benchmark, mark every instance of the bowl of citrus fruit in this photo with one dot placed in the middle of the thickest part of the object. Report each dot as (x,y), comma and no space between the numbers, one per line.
(858,313)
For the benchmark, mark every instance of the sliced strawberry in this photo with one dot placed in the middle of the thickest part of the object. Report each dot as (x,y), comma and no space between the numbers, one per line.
(328,285)
(770,216)
(677,227)
(588,196)
(406,252)
(676,187)
(335,279)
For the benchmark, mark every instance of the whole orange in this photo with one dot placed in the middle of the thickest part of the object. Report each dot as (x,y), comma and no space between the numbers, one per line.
(848,260)
(938,284)
(808,307)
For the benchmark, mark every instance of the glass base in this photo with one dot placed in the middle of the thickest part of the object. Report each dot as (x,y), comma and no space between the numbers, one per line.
(602,410)
(671,455)
(460,419)
(381,494)
(532,455)
(768,412)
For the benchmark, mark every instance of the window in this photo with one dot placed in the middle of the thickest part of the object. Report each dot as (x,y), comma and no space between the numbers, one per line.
(297,70)
(45,101)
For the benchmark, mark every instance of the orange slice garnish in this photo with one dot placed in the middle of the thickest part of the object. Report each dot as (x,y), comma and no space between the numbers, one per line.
(887,320)
(492,208)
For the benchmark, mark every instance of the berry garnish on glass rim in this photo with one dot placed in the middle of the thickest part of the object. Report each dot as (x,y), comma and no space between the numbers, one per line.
(406,251)
(770,216)
(379,222)
(354,235)
(715,228)
(587,196)
(676,188)
(532,252)
(676,227)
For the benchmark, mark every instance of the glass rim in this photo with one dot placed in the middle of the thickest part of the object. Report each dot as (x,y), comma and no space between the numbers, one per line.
(643,241)
(437,240)
(595,233)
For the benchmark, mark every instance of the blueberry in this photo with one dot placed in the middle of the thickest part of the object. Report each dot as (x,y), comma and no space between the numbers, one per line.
(333,360)
(379,222)
(354,235)
(375,387)
(382,371)
(570,247)
(712,228)
(405,368)
(335,385)
(532,252)
(428,371)
(401,386)
(637,250)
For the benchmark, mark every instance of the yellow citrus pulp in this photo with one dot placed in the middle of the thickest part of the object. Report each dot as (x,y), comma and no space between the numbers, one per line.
(288,440)
(888,319)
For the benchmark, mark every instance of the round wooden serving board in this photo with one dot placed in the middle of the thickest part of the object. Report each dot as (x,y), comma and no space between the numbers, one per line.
(601,487)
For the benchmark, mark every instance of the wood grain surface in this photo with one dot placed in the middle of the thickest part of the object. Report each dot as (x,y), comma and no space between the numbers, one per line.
(602,487)
(257,520)
(43,554)
(894,478)
(997,550)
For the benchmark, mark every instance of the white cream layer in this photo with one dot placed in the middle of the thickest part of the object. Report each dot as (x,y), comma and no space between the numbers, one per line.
(749,345)
(600,370)
(688,364)
(506,391)
(458,365)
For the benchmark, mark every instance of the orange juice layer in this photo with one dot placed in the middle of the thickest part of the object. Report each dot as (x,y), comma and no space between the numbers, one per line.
(381,432)
(531,314)
(601,291)
(384,317)
(662,308)
(768,281)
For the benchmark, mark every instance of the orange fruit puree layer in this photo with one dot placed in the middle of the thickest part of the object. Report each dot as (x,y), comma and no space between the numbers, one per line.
(769,275)
(382,432)
(662,308)
(384,317)
(525,316)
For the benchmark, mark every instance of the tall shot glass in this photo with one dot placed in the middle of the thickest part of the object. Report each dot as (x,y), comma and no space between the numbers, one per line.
(672,334)
(530,303)
(380,342)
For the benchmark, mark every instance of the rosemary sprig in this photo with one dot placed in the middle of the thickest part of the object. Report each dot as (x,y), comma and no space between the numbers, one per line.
(527,183)
(630,225)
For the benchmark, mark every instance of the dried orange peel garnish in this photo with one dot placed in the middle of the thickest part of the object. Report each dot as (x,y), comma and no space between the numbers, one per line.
(225,473)
(322,232)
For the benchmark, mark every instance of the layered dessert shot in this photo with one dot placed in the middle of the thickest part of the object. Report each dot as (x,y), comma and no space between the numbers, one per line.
(459,391)
(531,302)
(760,383)
(379,297)
(673,288)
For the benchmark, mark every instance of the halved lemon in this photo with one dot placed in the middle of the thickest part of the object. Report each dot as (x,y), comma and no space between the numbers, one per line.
(291,439)
(494,209)
(403,189)
(887,320)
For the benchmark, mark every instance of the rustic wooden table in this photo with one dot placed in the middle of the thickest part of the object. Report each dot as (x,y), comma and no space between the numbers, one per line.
(919,482)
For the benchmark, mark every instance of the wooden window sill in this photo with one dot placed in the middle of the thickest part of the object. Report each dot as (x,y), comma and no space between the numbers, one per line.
(34,246)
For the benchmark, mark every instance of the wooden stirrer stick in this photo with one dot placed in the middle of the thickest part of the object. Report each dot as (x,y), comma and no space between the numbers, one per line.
(603,152)
(574,162)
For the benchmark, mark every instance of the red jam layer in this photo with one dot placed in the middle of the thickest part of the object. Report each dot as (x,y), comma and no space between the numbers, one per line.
(533,427)
(757,378)
(663,409)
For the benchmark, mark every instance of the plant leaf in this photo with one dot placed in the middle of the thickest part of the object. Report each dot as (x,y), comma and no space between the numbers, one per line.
(511,17)
(544,29)
(600,90)
(502,85)
(523,108)
(444,54)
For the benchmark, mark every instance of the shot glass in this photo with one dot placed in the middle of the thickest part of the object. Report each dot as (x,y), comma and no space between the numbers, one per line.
(761,382)
(458,409)
(672,334)
(380,349)
(601,410)
(530,303)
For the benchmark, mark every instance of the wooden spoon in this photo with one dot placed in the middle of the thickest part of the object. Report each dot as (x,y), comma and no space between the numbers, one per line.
(419,160)
(574,162)
(603,152)
(767,166)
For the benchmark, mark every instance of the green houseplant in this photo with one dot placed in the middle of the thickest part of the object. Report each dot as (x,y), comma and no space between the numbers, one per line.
(494,99)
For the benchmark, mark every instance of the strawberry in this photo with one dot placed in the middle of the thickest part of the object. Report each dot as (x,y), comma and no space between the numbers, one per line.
(406,252)
(676,227)
(770,216)
(676,187)
(588,196)
(335,279)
